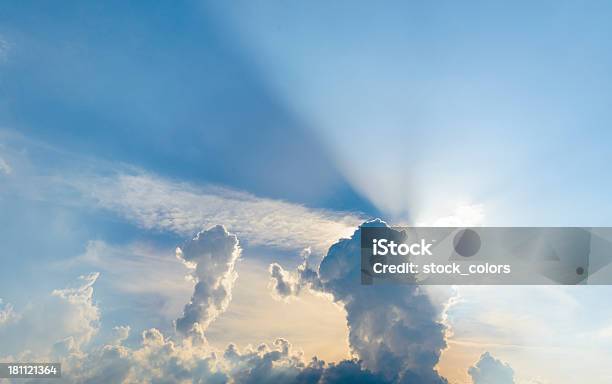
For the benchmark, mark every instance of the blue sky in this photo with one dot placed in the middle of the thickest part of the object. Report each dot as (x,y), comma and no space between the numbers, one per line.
(126,127)
(171,92)
(499,102)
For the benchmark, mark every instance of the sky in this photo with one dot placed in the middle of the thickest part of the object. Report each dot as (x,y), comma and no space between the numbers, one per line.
(126,128)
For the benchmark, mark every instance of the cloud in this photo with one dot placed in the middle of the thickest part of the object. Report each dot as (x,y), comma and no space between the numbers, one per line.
(283,284)
(7,314)
(526,323)
(395,330)
(489,370)
(286,285)
(120,334)
(138,271)
(4,49)
(161,204)
(347,371)
(156,203)
(159,359)
(605,333)
(278,364)
(464,215)
(81,315)
(4,166)
(212,256)
(66,320)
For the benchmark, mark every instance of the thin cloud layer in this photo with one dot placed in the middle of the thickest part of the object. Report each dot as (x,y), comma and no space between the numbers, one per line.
(156,203)
(7,313)
(5,168)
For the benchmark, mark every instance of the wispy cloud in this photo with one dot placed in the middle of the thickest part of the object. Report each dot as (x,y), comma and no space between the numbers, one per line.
(138,269)
(160,204)
(5,167)
(606,333)
(4,48)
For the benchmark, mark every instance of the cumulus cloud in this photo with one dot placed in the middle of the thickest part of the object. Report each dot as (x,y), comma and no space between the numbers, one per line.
(120,334)
(286,284)
(489,370)
(65,321)
(156,203)
(212,256)
(158,358)
(393,329)
(283,283)
(394,332)
(81,314)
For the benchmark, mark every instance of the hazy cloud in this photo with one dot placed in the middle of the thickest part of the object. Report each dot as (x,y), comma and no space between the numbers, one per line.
(156,203)
(465,215)
(64,321)
(120,334)
(489,370)
(4,49)
(137,270)
(4,166)
(7,314)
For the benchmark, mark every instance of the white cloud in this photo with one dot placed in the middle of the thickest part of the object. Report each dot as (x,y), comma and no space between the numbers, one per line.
(160,358)
(156,203)
(7,313)
(120,333)
(480,318)
(81,314)
(464,215)
(66,320)
(395,330)
(212,256)
(605,333)
(137,270)
(489,370)
(5,167)
(4,49)
(69,321)
(286,285)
